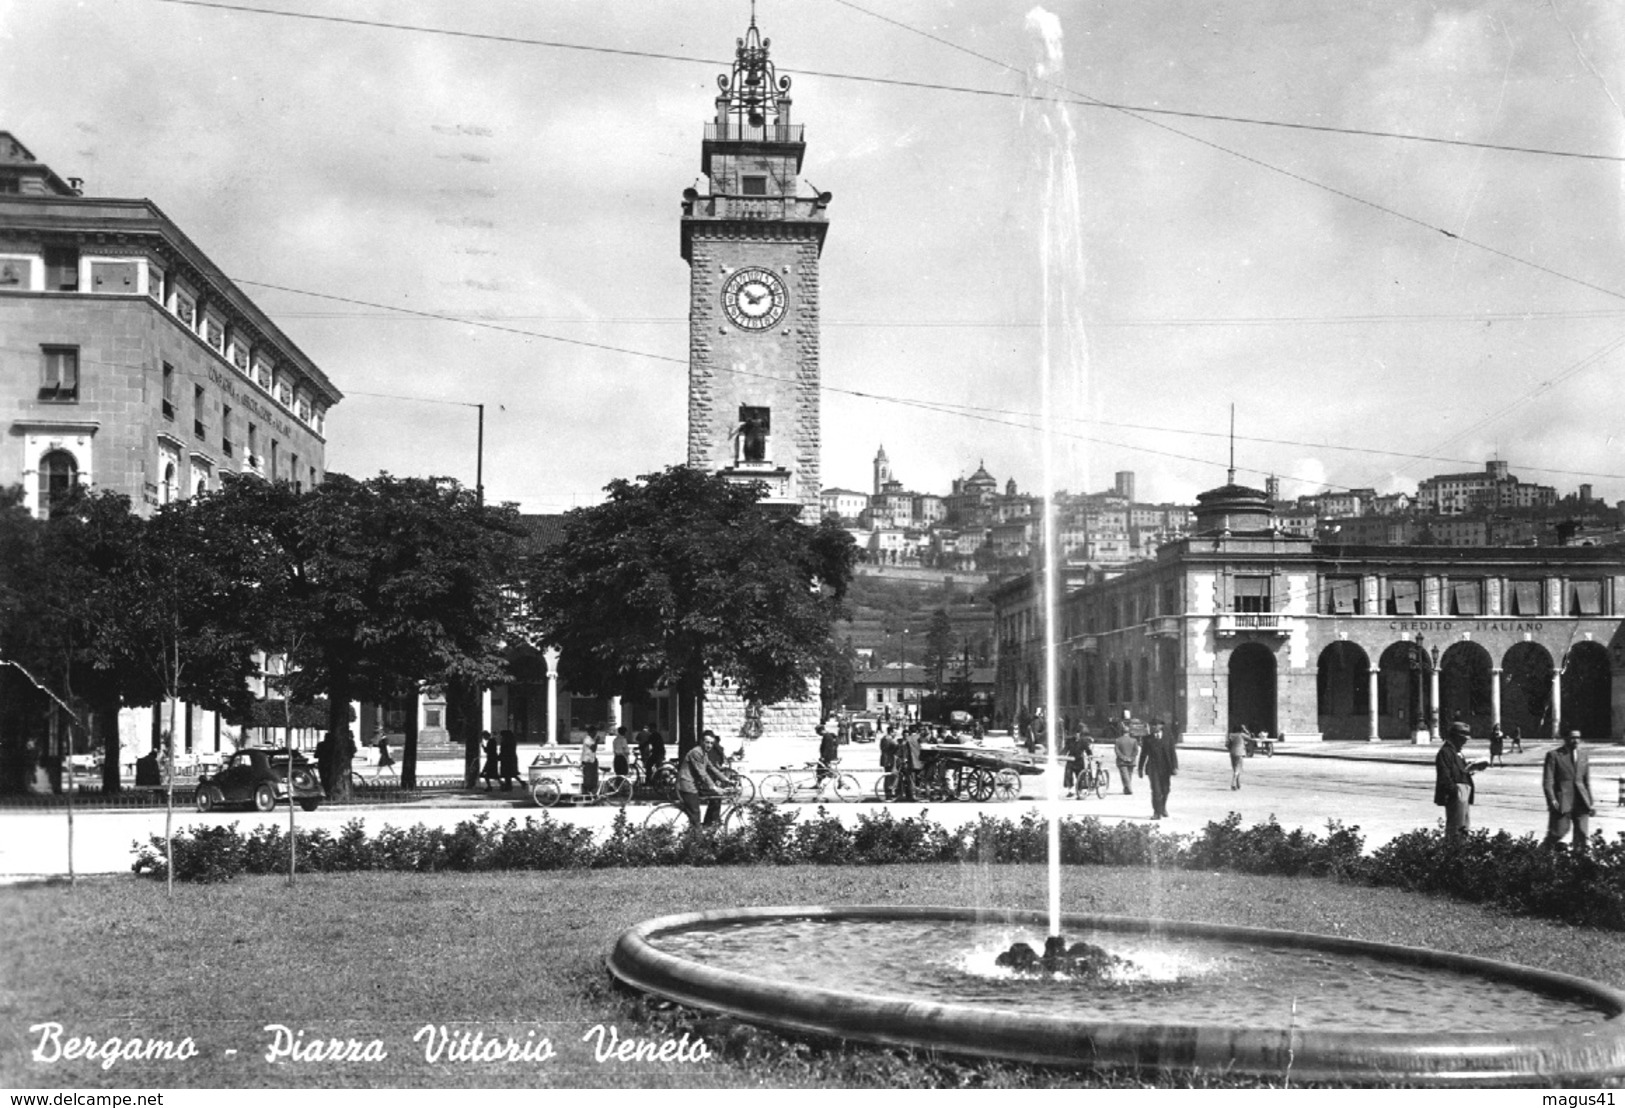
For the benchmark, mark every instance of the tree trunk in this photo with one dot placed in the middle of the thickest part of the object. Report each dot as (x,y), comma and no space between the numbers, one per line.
(106,718)
(338,725)
(690,712)
(409,756)
(463,720)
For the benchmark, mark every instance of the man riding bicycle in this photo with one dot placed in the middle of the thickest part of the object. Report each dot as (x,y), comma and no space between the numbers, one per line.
(699,776)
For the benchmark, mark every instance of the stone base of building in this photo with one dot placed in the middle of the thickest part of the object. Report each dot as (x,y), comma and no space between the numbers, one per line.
(772,735)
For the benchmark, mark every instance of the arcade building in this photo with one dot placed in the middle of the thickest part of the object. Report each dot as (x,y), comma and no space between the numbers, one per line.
(1242,624)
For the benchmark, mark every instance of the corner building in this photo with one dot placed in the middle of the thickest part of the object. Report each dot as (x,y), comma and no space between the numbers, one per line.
(130,361)
(1243,624)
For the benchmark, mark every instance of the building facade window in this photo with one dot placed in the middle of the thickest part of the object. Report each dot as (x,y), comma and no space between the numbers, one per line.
(1252,594)
(1404,596)
(197,411)
(169,391)
(1466,598)
(62,269)
(225,430)
(59,374)
(58,472)
(1342,596)
(1525,598)
(1585,598)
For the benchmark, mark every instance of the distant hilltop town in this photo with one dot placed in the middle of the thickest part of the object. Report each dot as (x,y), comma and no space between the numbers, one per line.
(975,527)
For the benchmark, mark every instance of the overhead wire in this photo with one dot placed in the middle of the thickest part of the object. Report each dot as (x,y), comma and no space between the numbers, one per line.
(930,86)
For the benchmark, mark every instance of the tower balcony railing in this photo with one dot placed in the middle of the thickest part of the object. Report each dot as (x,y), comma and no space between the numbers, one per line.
(730,206)
(734,131)
(1262,623)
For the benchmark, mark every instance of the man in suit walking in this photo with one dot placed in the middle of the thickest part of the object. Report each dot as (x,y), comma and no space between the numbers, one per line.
(1157,755)
(1567,782)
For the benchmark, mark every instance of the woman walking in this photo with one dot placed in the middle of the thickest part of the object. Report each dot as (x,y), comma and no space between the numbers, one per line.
(1237,744)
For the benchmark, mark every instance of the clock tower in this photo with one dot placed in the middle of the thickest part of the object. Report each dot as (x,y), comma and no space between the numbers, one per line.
(752,245)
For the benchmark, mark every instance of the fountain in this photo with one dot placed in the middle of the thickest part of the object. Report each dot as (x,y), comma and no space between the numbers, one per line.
(1129,992)
(1169,995)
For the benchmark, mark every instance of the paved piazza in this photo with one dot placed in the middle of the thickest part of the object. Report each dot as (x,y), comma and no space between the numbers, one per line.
(1386,791)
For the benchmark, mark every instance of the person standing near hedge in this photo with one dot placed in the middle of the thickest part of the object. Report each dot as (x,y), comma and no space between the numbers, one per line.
(1126,746)
(1157,755)
(589,762)
(1566,780)
(1237,746)
(1453,782)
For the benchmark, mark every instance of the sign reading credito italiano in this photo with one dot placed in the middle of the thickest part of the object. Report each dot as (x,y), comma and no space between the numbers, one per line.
(1503,626)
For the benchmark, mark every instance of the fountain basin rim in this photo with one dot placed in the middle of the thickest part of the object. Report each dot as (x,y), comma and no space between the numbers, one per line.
(1468,1057)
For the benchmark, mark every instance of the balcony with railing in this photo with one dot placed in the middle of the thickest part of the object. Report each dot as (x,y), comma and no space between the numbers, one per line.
(723,205)
(735,131)
(1256,623)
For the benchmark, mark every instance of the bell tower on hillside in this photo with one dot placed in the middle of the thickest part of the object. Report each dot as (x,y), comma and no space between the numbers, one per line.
(752,244)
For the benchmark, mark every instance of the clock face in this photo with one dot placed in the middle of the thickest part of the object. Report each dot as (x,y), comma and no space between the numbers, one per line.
(754,299)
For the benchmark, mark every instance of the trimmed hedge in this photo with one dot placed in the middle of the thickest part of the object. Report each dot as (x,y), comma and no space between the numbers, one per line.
(1517,875)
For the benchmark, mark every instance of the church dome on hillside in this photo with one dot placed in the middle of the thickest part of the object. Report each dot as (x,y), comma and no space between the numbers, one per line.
(981,478)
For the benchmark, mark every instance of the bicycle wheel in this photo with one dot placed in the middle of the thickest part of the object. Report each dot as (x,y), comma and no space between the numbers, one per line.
(744,787)
(1007,785)
(736,817)
(848,788)
(669,816)
(776,789)
(545,792)
(938,786)
(1103,781)
(615,790)
(886,785)
(664,781)
(357,782)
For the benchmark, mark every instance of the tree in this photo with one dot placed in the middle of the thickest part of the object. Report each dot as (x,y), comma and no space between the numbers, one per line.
(837,673)
(375,588)
(683,575)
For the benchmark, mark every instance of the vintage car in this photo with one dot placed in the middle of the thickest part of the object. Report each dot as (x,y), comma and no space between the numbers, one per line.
(259,776)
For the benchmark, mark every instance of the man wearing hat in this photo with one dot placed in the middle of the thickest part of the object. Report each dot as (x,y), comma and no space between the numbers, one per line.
(1453,781)
(1567,782)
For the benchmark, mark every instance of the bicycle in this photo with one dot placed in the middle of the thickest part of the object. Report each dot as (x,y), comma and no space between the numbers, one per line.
(781,788)
(661,780)
(673,815)
(1095,776)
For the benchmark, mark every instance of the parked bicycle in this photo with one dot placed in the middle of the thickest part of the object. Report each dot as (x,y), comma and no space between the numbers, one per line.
(661,780)
(810,783)
(1096,777)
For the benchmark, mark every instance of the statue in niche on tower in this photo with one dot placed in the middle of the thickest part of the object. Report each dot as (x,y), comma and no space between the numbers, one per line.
(750,436)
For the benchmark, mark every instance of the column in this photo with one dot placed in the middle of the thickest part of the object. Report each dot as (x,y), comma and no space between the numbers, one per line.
(1376,675)
(485,709)
(551,657)
(1433,704)
(1557,702)
(1495,695)
(614,714)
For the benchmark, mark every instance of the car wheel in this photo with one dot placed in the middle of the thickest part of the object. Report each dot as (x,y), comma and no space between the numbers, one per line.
(205,799)
(310,805)
(264,798)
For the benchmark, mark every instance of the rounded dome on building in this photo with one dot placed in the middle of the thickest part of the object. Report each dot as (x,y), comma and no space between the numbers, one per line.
(981,478)
(1233,508)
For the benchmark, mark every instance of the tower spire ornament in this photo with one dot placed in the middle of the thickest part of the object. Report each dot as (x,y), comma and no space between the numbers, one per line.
(753,95)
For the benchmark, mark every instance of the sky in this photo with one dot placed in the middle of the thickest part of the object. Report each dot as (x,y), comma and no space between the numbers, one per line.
(1019,225)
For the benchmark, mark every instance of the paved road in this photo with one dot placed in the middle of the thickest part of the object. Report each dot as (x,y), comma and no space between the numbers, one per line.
(1385,792)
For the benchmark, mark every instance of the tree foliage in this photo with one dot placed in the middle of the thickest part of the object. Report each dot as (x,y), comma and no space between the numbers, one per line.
(682,575)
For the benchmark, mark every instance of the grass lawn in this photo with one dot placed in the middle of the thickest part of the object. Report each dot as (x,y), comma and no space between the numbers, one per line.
(520,956)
